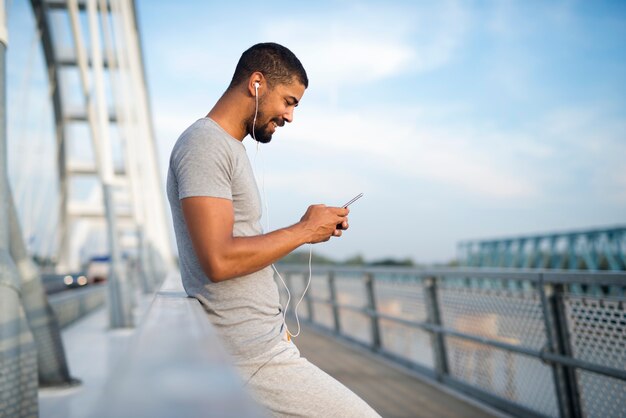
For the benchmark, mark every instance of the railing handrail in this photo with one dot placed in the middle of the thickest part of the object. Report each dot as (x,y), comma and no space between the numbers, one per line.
(553,276)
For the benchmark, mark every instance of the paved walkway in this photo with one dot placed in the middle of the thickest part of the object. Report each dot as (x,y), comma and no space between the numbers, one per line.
(392,392)
(92,350)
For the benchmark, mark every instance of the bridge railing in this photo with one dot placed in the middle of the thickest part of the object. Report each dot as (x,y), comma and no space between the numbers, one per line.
(538,343)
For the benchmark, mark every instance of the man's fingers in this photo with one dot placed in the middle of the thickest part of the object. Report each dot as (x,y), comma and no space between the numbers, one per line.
(341,211)
(343,225)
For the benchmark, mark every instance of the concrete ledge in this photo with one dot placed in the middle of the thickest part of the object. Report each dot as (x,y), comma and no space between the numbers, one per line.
(176,366)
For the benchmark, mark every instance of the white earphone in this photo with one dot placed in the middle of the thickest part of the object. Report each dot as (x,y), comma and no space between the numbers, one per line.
(256,108)
(284,310)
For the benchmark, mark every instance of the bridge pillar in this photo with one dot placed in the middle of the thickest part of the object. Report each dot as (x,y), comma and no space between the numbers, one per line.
(333,299)
(371,304)
(434,317)
(309,301)
(18,355)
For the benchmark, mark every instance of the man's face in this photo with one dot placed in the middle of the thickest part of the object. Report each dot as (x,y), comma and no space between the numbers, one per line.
(276,107)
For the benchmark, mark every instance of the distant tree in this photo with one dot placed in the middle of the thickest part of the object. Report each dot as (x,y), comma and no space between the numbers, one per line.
(406,262)
(302,257)
(356,260)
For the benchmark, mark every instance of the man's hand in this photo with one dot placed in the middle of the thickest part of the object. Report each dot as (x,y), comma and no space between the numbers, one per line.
(322,222)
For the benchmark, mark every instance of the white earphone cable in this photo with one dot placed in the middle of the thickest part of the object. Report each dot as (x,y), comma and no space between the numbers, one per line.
(267,214)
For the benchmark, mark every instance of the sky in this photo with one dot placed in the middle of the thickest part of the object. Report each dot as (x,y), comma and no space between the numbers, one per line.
(457,120)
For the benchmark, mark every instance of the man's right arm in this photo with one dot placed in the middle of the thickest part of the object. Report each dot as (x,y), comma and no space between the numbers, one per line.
(210,222)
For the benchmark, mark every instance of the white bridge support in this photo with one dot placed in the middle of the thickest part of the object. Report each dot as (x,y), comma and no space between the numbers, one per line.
(96,75)
(97,42)
(18,356)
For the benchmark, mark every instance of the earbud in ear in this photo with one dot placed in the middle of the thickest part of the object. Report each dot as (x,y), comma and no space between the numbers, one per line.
(256,88)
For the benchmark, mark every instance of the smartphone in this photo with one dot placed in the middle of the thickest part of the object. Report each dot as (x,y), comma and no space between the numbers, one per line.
(354,199)
(351,201)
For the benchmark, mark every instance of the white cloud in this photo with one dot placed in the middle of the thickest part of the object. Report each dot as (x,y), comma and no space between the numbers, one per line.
(328,184)
(620,180)
(408,146)
(591,147)
(565,152)
(360,45)
(355,43)
(337,55)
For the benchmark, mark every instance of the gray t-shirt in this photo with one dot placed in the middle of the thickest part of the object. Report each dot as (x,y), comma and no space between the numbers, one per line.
(207,161)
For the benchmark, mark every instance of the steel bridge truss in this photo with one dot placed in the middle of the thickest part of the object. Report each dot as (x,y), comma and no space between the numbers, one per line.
(104,134)
(597,249)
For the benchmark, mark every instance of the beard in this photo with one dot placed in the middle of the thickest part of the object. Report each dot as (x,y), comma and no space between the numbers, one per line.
(262,133)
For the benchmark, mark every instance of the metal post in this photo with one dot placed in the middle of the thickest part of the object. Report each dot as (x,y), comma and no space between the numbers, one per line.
(566,385)
(153,275)
(288,284)
(142,265)
(333,301)
(309,301)
(434,317)
(371,304)
(119,298)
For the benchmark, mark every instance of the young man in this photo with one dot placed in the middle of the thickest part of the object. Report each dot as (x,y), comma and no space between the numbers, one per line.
(225,258)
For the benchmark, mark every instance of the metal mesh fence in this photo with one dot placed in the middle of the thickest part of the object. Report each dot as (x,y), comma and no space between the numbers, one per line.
(18,382)
(597,328)
(490,329)
(403,297)
(356,325)
(18,360)
(508,314)
(409,343)
(517,378)
(350,291)
(322,311)
(511,316)
(601,396)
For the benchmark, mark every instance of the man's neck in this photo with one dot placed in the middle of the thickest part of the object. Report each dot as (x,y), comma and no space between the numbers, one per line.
(227,113)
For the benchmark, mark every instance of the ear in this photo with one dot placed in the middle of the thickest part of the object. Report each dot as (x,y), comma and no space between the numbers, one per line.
(256,83)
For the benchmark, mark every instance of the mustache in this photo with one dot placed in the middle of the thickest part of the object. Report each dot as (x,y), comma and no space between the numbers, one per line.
(280,122)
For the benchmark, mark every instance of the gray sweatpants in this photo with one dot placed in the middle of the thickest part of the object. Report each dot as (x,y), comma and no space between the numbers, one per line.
(289,386)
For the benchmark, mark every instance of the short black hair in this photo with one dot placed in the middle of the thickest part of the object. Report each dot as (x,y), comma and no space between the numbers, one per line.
(277,64)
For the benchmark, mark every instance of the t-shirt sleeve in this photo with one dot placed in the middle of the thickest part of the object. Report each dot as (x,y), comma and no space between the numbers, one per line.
(203,167)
